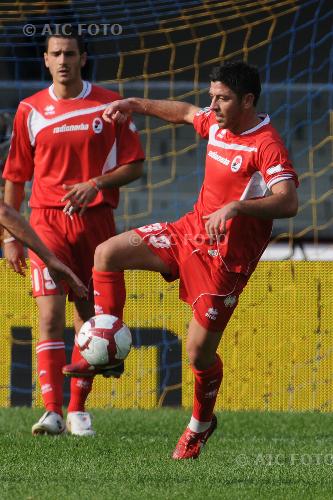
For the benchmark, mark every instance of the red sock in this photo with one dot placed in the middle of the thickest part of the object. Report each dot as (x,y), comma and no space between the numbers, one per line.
(109,292)
(206,388)
(80,387)
(51,358)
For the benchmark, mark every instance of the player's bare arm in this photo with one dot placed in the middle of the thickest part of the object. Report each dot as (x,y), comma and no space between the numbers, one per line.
(60,272)
(282,203)
(18,228)
(13,250)
(81,194)
(171,111)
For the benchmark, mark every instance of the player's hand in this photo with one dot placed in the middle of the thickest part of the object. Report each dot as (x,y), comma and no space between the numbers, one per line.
(117,111)
(14,254)
(216,222)
(60,272)
(78,197)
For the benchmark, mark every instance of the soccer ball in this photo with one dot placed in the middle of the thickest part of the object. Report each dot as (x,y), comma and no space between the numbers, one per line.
(104,340)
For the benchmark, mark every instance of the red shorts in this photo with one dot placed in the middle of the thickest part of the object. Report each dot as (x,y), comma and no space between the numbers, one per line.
(205,283)
(72,240)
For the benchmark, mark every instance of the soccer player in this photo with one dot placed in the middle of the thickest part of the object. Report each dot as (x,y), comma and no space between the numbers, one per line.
(249,180)
(18,227)
(77,162)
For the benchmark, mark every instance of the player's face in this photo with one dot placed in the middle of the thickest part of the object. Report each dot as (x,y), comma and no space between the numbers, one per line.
(64,61)
(227,107)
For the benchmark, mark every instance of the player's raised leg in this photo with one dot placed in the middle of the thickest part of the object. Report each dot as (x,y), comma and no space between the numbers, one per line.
(112,257)
(124,251)
(208,371)
(50,359)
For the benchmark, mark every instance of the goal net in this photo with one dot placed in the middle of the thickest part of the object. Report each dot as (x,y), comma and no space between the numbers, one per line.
(276,349)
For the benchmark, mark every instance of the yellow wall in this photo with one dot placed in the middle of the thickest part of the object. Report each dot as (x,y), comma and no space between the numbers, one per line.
(277,350)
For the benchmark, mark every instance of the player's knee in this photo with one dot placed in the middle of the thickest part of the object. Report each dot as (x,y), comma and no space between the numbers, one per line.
(198,357)
(50,326)
(111,255)
(105,255)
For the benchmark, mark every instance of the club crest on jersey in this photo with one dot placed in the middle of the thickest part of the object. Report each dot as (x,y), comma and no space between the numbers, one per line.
(236,163)
(49,110)
(97,125)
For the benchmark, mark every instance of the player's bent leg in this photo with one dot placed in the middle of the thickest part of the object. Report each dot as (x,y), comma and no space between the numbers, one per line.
(78,421)
(112,257)
(50,359)
(127,251)
(207,369)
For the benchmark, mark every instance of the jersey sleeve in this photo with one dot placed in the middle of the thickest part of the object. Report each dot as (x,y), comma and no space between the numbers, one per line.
(19,165)
(202,122)
(274,163)
(129,148)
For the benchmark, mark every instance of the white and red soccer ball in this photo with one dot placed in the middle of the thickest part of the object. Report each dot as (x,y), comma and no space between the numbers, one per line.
(104,340)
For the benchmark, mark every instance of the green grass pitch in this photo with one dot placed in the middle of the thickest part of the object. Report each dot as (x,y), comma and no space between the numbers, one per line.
(251,456)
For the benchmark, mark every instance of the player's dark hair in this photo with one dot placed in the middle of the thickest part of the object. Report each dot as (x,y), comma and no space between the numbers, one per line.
(240,77)
(72,35)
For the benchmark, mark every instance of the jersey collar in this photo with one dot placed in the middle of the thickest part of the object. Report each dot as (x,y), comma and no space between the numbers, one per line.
(265,119)
(86,89)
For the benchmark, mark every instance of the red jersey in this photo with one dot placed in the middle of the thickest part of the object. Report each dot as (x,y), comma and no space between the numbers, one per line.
(239,167)
(66,141)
